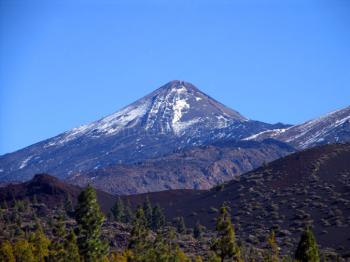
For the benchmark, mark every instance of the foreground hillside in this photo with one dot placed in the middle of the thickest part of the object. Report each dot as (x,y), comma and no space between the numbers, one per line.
(194,168)
(33,227)
(309,187)
(306,188)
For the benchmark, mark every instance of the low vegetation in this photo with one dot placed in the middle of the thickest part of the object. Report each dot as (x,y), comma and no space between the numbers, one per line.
(31,231)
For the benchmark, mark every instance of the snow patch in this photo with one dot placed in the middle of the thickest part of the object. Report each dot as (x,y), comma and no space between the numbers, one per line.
(179,106)
(222,121)
(112,124)
(270,133)
(25,162)
(180,126)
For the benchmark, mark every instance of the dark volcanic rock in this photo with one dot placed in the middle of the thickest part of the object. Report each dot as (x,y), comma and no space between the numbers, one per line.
(194,168)
(306,188)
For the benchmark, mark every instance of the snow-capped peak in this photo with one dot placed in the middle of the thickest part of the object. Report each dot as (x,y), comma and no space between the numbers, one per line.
(170,110)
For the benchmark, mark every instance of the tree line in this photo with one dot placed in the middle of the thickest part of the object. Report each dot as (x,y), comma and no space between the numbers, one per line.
(151,240)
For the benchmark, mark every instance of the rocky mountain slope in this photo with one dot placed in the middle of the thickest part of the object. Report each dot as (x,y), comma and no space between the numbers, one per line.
(193,168)
(308,187)
(175,116)
(331,128)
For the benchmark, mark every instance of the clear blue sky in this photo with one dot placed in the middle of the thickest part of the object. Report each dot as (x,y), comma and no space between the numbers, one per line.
(68,62)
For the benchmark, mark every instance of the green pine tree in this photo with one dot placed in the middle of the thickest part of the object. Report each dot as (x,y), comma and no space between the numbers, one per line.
(159,250)
(118,210)
(198,230)
(164,249)
(148,211)
(40,244)
(158,218)
(225,244)
(71,248)
(128,214)
(138,241)
(89,222)
(68,205)
(180,225)
(307,250)
(6,252)
(57,252)
(273,249)
(23,251)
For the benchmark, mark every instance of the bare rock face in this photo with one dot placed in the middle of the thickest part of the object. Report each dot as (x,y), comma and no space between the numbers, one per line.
(173,117)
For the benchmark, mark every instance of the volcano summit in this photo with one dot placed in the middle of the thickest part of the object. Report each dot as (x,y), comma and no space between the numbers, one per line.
(173,117)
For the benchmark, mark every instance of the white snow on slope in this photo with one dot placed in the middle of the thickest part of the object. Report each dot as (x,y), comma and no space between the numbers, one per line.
(309,133)
(25,162)
(112,124)
(169,109)
(164,111)
(270,133)
(179,105)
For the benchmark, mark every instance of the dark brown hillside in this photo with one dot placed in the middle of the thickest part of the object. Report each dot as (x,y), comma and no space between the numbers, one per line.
(309,187)
(50,191)
(195,168)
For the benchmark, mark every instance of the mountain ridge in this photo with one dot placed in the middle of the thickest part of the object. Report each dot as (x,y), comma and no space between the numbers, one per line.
(333,127)
(176,115)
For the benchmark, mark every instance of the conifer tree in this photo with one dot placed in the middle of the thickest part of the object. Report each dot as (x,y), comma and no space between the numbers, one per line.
(147,209)
(273,250)
(71,248)
(158,219)
(307,250)
(197,230)
(180,225)
(68,205)
(128,214)
(225,244)
(214,258)
(198,259)
(120,257)
(164,249)
(6,252)
(57,252)
(40,244)
(160,250)
(89,222)
(23,252)
(139,232)
(180,256)
(118,210)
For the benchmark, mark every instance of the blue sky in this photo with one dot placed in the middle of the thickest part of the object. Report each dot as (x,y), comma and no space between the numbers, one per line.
(66,63)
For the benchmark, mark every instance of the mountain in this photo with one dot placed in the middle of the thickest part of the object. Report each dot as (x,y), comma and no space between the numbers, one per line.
(331,128)
(50,191)
(173,117)
(308,187)
(194,168)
